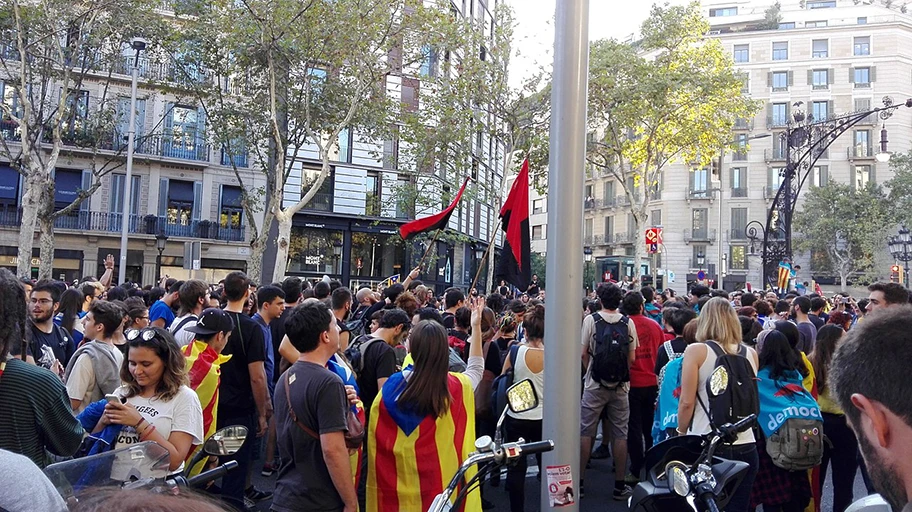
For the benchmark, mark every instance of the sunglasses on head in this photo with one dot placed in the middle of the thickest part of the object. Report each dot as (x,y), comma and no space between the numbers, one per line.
(146,334)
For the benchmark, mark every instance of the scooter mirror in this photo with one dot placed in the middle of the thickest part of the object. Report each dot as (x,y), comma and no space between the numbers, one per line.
(521,397)
(226,441)
(718,381)
(676,474)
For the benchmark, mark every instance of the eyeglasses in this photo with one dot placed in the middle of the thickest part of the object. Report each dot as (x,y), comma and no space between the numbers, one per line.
(43,302)
(146,334)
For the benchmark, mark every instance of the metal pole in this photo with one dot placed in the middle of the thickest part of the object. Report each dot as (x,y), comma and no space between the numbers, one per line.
(719,283)
(128,181)
(564,265)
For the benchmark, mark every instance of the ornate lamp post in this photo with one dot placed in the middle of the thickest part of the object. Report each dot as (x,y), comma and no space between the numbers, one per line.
(805,140)
(901,249)
(587,255)
(161,241)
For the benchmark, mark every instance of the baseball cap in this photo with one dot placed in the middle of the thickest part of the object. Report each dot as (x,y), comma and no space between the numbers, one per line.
(211,321)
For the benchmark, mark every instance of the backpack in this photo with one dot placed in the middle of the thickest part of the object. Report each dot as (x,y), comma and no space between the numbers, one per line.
(356,350)
(612,348)
(797,445)
(456,364)
(355,328)
(739,399)
(672,355)
(501,384)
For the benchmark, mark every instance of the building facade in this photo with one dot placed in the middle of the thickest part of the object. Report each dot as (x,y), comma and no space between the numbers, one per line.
(833,57)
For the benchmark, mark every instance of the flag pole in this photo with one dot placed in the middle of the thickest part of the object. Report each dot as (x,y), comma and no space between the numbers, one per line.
(429,247)
(482,260)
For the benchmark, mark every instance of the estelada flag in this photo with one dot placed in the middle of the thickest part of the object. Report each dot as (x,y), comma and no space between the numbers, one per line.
(204,371)
(515,264)
(411,458)
(785,271)
(338,366)
(437,221)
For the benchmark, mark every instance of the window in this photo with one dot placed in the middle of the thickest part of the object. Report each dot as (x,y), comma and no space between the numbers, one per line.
(742,53)
(67,184)
(820,110)
(185,133)
(391,152)
(862,20)
(780,80)
(780,147)
(428,62)
(231,213)
(862,105)
(819,175)
(182,198)
(775,178)
(820,48)
(862,77)
(587,230)
(608,192)
(738,258)
(862,176)
(862,46)
(588,193)
(698,182)
(739,181)
(323,199)
(77,108)
(738,223)
(345,145)
(745,83)
(740,153)
(781,50)
(699,223)
(723,11)
(609,231)
(820,78)
(779,114)
(117,194)
(815,24)
(122,119)
(821,5)
(410,88)
(538,232)
(863,143)
(538,206)
(655,217)
(786,26)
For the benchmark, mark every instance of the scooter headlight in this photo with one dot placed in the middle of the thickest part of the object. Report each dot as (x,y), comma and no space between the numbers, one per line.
(676,473)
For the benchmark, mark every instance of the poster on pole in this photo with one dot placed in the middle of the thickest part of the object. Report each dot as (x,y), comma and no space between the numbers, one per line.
(560,486)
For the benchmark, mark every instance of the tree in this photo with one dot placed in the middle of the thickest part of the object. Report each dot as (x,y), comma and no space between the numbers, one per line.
(292,76)
(50,51)
(900,187)
(772,17)
(673,96)
(846,225)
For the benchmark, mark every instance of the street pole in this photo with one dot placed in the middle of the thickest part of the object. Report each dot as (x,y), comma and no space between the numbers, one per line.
(138,45)
(564,266)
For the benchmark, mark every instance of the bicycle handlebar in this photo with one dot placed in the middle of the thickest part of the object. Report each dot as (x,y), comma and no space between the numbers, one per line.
(537,447)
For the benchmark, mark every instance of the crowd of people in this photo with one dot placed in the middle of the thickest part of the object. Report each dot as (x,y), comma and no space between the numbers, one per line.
(370,400)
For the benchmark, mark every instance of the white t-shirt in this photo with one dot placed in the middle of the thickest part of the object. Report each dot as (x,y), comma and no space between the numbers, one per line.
(81,383)
(184,337)
(182,413)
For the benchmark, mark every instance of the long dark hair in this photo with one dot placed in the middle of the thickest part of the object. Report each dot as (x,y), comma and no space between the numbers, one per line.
(70,305)
(792,335)
(426,392)
(779,355)
(13,319)
(167,349)
(827,338)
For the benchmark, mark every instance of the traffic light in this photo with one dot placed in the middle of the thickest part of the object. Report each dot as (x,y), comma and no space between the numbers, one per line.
(896,274)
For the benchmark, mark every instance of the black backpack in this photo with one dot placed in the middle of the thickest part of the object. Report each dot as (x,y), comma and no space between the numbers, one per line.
(739,399)
(612,347)
(356,350)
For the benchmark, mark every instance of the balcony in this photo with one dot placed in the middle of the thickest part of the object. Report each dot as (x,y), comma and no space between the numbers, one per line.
(860,152)
(589,203)
(625,238)
(622,200)
(588,239)
(609,202)
(776,122)
(738,192)
(770,192)
(702,235)
(739,155)
(110,222)
(699,193)
(238,160)
(173,146)
(775,154)
(743,124)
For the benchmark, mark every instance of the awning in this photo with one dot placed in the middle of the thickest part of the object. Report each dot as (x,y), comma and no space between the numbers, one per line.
(180,191)
(231,197)
(9,183)
(67,185)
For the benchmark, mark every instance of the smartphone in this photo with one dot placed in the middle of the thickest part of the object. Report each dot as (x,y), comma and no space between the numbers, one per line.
(112,399)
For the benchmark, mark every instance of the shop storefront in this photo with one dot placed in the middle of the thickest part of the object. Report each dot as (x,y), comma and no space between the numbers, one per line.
(67,263)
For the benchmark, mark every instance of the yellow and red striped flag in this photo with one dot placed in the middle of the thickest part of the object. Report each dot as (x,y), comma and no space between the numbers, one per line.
(204,371)
(411,458)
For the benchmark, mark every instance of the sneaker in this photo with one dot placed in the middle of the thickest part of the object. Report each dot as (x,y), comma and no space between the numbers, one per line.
(269,469)
(623,493)
(255,494)
(631,479)
(602,452)
(250,505)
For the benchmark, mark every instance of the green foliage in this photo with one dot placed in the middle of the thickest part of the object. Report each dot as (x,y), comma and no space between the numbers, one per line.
(900,187)
(772,17)
(846,225)
(538,267)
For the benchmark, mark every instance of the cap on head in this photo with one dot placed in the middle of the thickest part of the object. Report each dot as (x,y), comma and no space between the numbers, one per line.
(211,321)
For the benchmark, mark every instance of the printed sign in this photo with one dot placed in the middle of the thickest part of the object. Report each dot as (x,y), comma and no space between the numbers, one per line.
(560,485)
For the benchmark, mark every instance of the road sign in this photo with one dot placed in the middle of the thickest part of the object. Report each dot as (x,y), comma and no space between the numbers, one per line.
(701,275)
(653,239)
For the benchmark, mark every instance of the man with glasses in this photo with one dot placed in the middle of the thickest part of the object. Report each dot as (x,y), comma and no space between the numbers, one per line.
(94,370)
(49,346)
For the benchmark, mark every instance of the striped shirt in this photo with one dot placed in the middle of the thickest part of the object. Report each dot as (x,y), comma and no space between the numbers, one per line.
(36,414)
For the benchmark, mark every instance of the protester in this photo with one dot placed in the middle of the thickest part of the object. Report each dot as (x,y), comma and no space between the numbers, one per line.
(311,418)
(25,487)
(677,319)
(599,395)
(840,319)
(530,364)
(718,324)
(51,346)
(423,394)
(885,295)
(193,297)
(341,305)
(453,300)
(379,359)
(841,452)
(801,307)
(137,313)
(271,306)
(160,313)
(292,287)
(817,316)
(38,419)
(95,368)
(69,317)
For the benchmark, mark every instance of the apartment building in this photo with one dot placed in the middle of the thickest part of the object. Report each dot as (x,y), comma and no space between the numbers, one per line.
(185,188)
(834,57)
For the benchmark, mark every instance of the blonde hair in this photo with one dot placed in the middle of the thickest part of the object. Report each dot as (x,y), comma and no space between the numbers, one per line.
(719,322)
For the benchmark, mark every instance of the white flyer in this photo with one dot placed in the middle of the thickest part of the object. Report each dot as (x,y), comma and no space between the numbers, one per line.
(560,485)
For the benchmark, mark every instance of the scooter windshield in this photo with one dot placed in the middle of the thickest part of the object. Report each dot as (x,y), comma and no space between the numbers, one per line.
(73,478)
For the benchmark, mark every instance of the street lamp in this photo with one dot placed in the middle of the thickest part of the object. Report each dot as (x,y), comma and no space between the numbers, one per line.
(161,240)
(138,44)
(883,155)
(701,259)
(479,252)
(587,256)
(337,253)
(901,249)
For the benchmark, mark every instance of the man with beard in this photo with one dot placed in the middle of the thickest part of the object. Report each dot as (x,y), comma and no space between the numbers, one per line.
(868,377)
(50,345)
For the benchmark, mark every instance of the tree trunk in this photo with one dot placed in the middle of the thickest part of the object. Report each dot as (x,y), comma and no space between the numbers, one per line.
(31,200)
(843,277)
(282,244)
(46,247)
(638,251)
(255,262)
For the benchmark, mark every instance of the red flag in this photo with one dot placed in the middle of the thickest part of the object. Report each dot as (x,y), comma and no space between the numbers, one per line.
(437,221)
(515,264)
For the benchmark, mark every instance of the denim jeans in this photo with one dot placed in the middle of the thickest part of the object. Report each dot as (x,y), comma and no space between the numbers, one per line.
(740,500)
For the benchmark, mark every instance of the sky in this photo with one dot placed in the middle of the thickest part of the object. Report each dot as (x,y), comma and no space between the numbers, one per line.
(534,34)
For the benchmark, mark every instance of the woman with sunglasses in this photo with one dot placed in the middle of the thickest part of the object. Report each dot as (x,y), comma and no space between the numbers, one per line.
(157,403)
